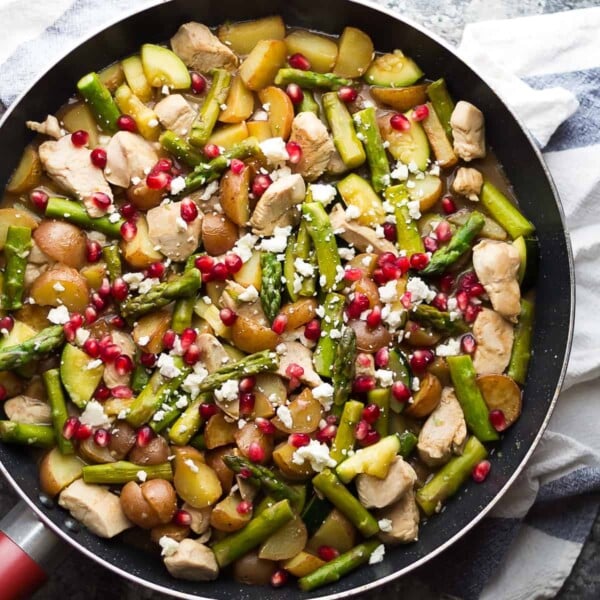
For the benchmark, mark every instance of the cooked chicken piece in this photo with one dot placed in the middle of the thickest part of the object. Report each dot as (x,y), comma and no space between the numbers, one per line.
(167,230)
(468,130)
(50,127)
(200,50)
(176,114)
(70,167)
(192,561)
(404,516)
(379,493)
(296,353)
(212,353)
(278,206)
(497,267)
(364,365)
(444,432)
(468,182)
(95,507)
(129,155)
(336,165)
(200,518)
(317,146)
(111,377)
(360,236)
(494,336)
(25,409)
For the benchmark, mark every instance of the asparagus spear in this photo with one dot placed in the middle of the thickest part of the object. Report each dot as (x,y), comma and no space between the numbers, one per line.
(180,149)
(476,413)
(450,477)
(342,565)
(112,258)
(270,289)
(299,247)
(123,471)
(324,354)
(344,437)
(140,378)
(458,245)
(16,251)
(442,103)
(310,79)
(366,123)
(257,531)
(209,112)
(331,487)
(429,316)
(381,397)
(521,350)
(408,441)
(58,404)
(166,416)
(407,231)
(160,295)
(323,238)
(308,103)
(344,136)
(27,434)
(342,372)
(183,314)
(504,212)
(187,425)
(75,212)
(96,94)
(45,341)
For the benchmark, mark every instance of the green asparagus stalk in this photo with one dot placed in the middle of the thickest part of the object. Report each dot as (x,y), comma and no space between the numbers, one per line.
(474,408)
(270,289)
(344,437)
(183,314)
(407,231)
(381,397)
(325,352)
(342,565)
(140,378)
(366,123)
(408,441)
(310,79)
(103,106)
(447,481)
(521,350)
(41,436)
(344,135)
(58,404)
(504,212)
(160,295)
(332,488)
(342,372)
(299,247)
(442,103)
(112,258)
(16,251)
(187,425)
(326,250)
(459,244)
(429,316)
(123,471)
(308,103)
(166,416)
(180,149)
(45,341)
(208,114)
(75,212)
(257,531)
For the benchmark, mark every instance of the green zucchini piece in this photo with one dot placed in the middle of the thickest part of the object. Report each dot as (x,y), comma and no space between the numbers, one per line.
(18,334)
(163,67)
(408,146)
(529,253)
(79,380)
(393,70)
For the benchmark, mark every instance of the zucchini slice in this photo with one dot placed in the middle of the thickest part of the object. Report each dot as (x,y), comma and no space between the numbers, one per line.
(79,380)
(393,70)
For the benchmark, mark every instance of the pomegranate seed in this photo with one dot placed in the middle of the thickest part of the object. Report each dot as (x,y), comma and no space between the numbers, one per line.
(299,61)
(430,244)
(247,384)
(400,391)
(163,165)
(208,410)
(374,317)
(156,269)
(182,517)
(406,300)
(128,231)
(102,393)
(294,91)
(327,434)
(403,263)
(98,157)
(92,348)
(327,553)
(148,359)
(101,200)
(187,337)
(220,272)
(378,277)
(293,384)
(244,507)
(70,428)
(385,259)
(245,473)
(448,205)
(123,364)
(299,439)
(237,166)
(357,305)
(102,438)
(347,94)
(446,283)
(265,426)
(105,341)
(7,323)
(353,274)
(443,231)
(279,324)
(211,151)
(104,290)
(331,420)
(361,430)
(109,353)
(39,199)
(363,384)
(294,370)
(279,578)
(419,261)
(420,112)
(118,322)
(468,344)
(364,360)
(260,184)
(389,232)
(467,281)
(128,211)
(119,289)
(69,330)
(247,402)
(233,262)
(76,320)
(204,263)
(471,312)
(83,432)
(127,123)
(399,122)
(391,271)
(440,301)
(475,290)
(122,391)
(481,471)
(371,413)
(312,330)
(498,420)
(144,436)
(158,180)
(192,355)
(93,251)
(382,358)
(227,316)
(80,138)
(188,210)
(371,438)
(294,151)
(3,393)
(256,452)
(198,83)
(462,300)
(421,359)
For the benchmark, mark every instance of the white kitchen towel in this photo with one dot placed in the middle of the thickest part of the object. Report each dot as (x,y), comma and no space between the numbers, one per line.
(539,65)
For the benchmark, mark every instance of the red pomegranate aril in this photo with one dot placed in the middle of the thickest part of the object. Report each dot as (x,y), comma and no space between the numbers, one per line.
(119,289)
(123,365)
(204,263)
(420,112)
(327,434)
(312,330)
(363,359)
(198,83)
(260,184)
(448,205)
(468,344)
(70,428)
(101,200)
(83,432)
(93,251)
(98,157)
(498,420)
(220,272)
(127,123)
(440,301)
(168,339)
(3,393)
(279,324)
(475,290)
(378,277)
(128,211)
(247,384)
(247,402)
(118,322)
(105,340)
(187,337)
(265,425)
(256,452)
(361,430)
(294,151)
(299,61)
(211,151)
(299,439)
(295,93)
(128,230)
(294,370)
(227,316)
(430,244)
(92,348)
(144,436)
(480,471)
(391,271)
(158,180)
(406,300)
(363,384)
(109,353)
(399,122)
(327,553)
(163,164)
(192,355)
(182,517)
(80,138)
(443,231)
(122,391)
(386,258)
(347,94)
(69,330)
(467,281)
(237,166)
(471,312)
(371,438)
(245,473)
(102,438)
(401,392)
(462,300)
(76,320)
(403,263)
(188,210)
(390,232)
(7,323)
(233,262)
(279,578)
(156,269)
(421,359)
(419,261)
(446,283)
(208,410)
(374,317)
(357,305)
(382,358)
(104,290)
(148,359)
(371,413)
(244,507)
(102,393)
(39,199)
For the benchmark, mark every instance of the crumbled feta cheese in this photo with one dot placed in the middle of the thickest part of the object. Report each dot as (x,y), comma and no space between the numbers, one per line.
(181,402)
(211,189)
(414,210)
(177,185)
(352,212)
(419,291)
(58,287)
(323,193)
(280,173)
(244,246)
(250,294)
(191,384)
(324,394)
(284,414)
(93,364)
(274,150)
(379,232)
(416,384)
(228,392)
(143,340)
(114,217)
(304,268)
(223,106)
(388,293)
(385,377)
(400,172)
(279,241)
(133,280)
(142,476)
(452,303)
(169,545)
(159,415)
(266,106)
(346,253)
(181,224)
(450,348)
(377,555)
(385,525)
(58,315)
(81,336)
(317,454)
(166,366)
(165,91)
(94,415)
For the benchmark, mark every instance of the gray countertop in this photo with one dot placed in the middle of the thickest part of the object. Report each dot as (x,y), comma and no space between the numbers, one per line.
(80,578)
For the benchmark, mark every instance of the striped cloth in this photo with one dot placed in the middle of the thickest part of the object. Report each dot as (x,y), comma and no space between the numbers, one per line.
(547,68)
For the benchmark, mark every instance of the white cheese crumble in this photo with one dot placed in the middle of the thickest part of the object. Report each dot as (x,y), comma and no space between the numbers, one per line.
(283,412)
(274,150)
(133,280)
(244,246)
(147,284)
(416,384)
(81,336)
(142,476)
(377,555)
(59,315)
(317,454)
(450,348)
(388,293)
(385,377)
(169,546)
(400,172)
(93,364)
(166,366)
(228,392)
(177,185)
(414,210)
(324,393)
(419,291)
(250,294)
(279,241)
(211,189)
(346,253)
(94,415)
(304,268)
(385,525)
(191,383)
(352,212)
(323,193)
(58,287)
(144,340)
